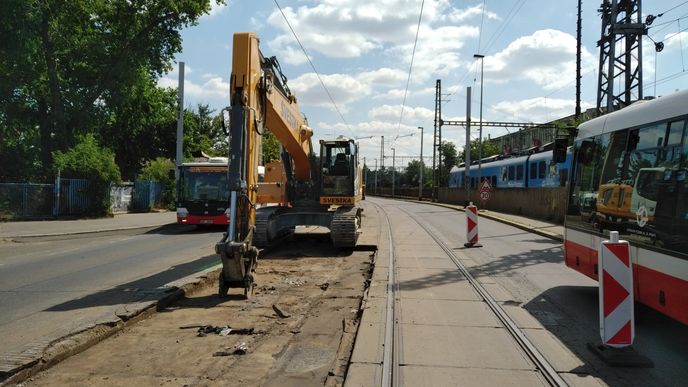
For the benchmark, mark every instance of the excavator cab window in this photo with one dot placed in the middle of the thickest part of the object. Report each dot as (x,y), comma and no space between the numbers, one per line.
(337,167)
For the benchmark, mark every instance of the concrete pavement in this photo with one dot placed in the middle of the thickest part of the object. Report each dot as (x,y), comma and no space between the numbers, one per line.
(9,230)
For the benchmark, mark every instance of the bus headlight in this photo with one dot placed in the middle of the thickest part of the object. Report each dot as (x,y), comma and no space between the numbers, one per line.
(182,213)
(227,214)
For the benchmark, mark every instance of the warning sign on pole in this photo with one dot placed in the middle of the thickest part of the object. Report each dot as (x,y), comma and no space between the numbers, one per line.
(617,328)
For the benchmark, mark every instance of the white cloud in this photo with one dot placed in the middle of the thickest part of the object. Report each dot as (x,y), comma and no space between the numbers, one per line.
(214,87)
(460,15)
(354,28)
(675,41)
(538,109)
(547,58)
(343,88)
(391,113)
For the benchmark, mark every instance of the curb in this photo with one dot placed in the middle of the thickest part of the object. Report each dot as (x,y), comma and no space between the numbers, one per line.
(92,335)
(72,233)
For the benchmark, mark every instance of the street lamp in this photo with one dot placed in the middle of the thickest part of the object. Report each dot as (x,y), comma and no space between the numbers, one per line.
(420,179)
(393,170)
(480,133)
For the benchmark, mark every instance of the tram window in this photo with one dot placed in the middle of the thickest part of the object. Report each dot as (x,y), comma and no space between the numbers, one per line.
(542,170)
(511,172)
(533,170)
(650,137)
(472,182)
(675,132)
(519,172)
(494,181)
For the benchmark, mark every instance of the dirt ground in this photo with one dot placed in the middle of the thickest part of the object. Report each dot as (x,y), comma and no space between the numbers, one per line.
(321,288)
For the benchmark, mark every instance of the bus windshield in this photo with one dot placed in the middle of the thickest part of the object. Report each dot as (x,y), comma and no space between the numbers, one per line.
(197,184)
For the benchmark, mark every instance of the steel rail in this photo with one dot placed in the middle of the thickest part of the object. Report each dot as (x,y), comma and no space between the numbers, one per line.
(546,369)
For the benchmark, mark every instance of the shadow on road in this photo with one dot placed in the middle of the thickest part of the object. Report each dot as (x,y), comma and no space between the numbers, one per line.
(144,289)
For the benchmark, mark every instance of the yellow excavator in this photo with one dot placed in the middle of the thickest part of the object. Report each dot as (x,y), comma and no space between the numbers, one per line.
(313,190)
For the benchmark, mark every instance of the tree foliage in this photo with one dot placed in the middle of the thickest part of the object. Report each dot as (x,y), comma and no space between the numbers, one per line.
(87,160)
(489,149)
(68,68)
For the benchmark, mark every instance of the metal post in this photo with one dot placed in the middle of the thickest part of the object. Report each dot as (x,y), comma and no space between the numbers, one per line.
(180,120)
(376,176)
(393,170)
(480,134)
(420,179)
(365,174)
(382,158)
(467,150)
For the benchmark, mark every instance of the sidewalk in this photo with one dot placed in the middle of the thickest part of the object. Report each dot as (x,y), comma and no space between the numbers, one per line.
(10,230)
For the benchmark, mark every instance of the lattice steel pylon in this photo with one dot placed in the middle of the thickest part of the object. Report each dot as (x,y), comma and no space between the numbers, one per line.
(620,54)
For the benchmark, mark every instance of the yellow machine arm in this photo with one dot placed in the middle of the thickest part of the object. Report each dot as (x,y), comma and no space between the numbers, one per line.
(262,84)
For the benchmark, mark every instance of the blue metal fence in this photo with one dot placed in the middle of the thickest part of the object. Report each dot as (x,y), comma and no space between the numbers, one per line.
(67,197)
(147,194)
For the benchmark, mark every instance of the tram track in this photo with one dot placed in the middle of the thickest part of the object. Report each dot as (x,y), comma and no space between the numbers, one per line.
(392,346)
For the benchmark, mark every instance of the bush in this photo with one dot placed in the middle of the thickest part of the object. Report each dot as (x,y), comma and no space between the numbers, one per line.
(87,160)
(161,171)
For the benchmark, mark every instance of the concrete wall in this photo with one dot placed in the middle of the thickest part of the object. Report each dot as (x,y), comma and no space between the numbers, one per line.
(548,204)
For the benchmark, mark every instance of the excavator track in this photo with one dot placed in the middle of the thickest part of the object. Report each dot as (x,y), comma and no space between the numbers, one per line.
(260,237)
(344,229)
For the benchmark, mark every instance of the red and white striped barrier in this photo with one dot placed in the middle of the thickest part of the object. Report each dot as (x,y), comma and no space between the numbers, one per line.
(471,225)
(617,328)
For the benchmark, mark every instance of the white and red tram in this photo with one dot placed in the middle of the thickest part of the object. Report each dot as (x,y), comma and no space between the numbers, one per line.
(630,175)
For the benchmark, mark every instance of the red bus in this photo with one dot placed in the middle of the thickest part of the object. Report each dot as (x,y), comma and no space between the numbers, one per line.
(630,175)
(202,193)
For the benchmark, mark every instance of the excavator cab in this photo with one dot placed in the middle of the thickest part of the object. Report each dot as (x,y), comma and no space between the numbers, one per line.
(338,163)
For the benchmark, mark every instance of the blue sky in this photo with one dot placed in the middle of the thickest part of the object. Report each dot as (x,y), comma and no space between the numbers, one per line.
(362,51)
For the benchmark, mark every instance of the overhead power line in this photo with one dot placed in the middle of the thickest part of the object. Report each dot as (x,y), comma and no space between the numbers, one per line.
(314,69)
(413,54)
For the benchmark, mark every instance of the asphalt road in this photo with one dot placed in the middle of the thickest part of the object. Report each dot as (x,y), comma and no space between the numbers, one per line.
(530,269)
(54,286)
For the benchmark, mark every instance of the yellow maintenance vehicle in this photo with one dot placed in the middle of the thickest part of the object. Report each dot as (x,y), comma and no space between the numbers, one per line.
(315,190)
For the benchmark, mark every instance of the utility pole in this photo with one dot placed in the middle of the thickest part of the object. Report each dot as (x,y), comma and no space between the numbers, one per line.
(620,54)
(393,170)
(480,135)
(435,147)
(375,176)
(382,157)
(422,166)
(578,60)
(467,150)
(180,121)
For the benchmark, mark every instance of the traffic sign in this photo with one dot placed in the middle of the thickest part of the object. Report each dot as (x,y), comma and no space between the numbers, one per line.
(485,185)
(484,195)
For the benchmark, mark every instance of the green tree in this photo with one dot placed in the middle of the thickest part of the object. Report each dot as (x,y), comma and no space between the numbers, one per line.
(412,174)
(489,149)
(449,160)
(87,160)
(67,67)
(271,147)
